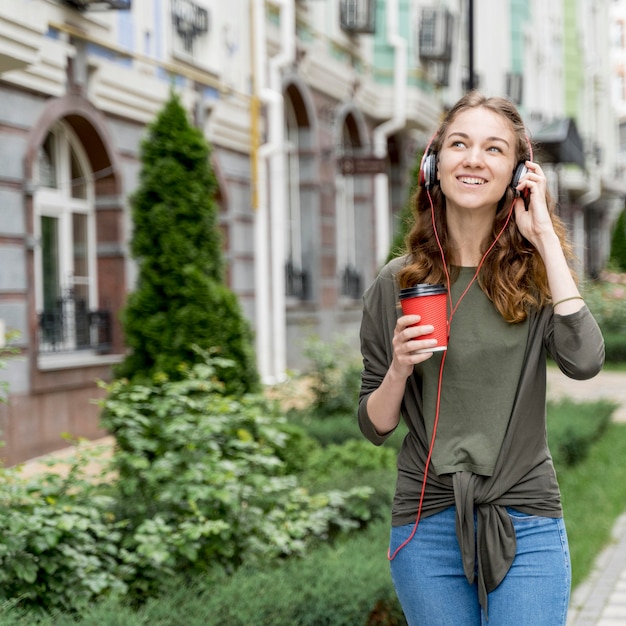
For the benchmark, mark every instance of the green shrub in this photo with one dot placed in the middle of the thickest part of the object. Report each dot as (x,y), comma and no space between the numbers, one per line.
(353,463)
(181,298)
(335,376)
(298,449)
(382,482)
(607,302)
(353,455)
(594,493)
(343,584)
(201,487)
(202,481)
(618,243)
(59,548)
(615,347)
(327,430)
(573,427)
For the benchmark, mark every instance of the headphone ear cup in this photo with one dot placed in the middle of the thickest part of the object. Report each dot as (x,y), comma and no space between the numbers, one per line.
(428,171)
(520,171)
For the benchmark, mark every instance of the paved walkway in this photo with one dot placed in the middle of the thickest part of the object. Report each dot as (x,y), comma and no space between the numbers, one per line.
(607,385)
(601,599)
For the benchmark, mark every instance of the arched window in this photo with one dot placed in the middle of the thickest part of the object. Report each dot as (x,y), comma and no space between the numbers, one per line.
(351,197)
(65,257)
(299,249)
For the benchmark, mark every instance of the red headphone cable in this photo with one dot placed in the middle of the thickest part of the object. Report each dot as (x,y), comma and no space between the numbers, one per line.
(391,556)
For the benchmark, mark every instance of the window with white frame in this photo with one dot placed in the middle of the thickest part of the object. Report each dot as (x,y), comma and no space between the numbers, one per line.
(65,257)
(350,275)
(295,276)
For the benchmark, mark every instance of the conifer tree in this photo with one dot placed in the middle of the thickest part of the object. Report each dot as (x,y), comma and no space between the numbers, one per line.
(181,300)
(618,243)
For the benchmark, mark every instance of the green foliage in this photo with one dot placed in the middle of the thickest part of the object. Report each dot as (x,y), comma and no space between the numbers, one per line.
(300,446)
(615,347)
(352,463)
(353,574)
(181,298)
(200,486)
(594,493)
(7,350)
(357,455)
(203,482)
(334,375)
(345,584)
(573,427)
(405,219)
(617,255)
(354,586)
(607,302)
(327,430)
(59,548)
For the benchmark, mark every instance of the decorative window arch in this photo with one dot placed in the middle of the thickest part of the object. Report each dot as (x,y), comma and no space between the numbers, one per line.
(298,236)
(66,290)
(349,211)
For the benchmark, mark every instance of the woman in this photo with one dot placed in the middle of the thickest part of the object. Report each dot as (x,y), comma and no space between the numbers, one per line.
(477,530)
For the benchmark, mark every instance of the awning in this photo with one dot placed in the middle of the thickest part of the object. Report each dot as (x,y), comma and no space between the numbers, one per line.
(559,142)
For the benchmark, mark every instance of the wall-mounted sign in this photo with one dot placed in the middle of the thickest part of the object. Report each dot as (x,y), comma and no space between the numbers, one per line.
(362,166)
(189,20)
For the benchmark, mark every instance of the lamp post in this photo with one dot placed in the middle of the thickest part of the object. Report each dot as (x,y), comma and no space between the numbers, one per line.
(470,45)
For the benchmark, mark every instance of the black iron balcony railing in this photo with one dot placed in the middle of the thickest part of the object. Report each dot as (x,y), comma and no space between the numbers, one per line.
(70,326)
(351,283)
(297,282)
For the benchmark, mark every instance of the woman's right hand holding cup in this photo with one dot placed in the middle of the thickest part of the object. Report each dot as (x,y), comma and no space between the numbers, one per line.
(408,347)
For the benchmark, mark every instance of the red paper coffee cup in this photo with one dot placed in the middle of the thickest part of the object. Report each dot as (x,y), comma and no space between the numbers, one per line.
(430,303)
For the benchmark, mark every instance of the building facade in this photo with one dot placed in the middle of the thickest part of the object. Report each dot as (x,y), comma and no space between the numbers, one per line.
(618,84)
(315,110)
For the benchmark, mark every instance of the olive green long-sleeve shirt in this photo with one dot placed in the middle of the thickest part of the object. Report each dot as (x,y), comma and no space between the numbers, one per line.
(523,476)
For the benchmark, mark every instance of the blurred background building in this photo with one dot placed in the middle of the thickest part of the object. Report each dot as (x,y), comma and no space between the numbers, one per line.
(316,111)
(617,38)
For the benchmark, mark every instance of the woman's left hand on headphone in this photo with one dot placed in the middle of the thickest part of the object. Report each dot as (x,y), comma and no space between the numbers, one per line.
(531,213)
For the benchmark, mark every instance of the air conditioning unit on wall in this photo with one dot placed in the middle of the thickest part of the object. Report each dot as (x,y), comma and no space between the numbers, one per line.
(435,34)
(358,16)
(99,5)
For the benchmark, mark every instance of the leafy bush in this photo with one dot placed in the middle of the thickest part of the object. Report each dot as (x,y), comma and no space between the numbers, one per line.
(356,455)
(615,347)
(335,377)
(618,243)
(200,487)
(607,301)
(299,448)
(327,430)
(594,493)
(60,547)
(573,427)
(344,584)
(202,481)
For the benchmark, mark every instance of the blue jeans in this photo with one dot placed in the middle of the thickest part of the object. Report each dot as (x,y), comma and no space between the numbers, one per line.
(433,590)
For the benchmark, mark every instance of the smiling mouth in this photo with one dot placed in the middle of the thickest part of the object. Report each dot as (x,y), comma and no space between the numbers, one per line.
(470,180)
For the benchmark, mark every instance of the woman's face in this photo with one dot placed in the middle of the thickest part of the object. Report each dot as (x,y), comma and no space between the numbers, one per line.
(476,160)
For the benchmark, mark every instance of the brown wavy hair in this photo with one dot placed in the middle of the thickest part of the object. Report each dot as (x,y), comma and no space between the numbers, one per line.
(513,275)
